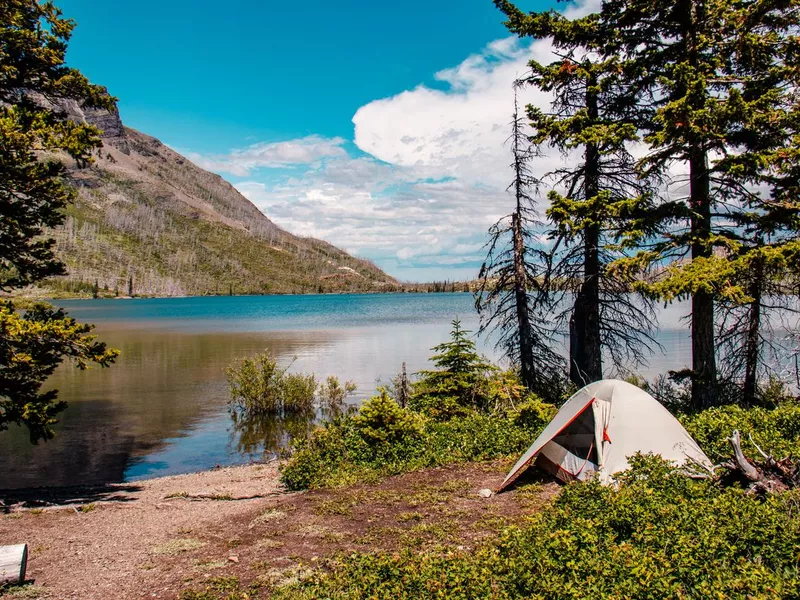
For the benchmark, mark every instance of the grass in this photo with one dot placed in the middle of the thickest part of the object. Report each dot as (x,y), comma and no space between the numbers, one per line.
(335,507)
(176,495)
(227,588)
(210,565)
(267,517)
(26,590)
(178,546)
(269,543)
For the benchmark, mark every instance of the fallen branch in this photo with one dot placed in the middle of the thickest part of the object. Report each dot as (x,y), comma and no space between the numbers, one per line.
(745,466)
(221,497)
(765,477)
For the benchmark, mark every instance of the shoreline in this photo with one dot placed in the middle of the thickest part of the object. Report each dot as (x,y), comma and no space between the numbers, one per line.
(235,481)
(27,299)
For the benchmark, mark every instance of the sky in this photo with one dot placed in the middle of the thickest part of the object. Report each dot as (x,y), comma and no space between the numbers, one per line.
(379,127)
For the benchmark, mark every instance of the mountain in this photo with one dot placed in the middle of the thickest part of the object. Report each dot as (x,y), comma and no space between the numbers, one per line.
(145,217)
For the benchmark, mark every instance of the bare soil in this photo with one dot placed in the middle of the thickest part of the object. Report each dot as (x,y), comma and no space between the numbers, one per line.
(157,538)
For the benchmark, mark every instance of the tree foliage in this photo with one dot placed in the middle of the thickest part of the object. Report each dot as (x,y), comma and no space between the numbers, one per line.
(708,91)
(457,384)
(31,347)
(593,196)
(34,83)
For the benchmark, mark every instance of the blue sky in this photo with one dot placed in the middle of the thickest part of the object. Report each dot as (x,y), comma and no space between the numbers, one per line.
(376,126)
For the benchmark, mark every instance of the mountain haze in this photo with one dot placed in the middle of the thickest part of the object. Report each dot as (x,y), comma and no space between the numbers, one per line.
(147,215)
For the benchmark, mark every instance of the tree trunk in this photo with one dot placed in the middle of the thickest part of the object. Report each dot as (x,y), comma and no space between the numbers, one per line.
(704,367)
(752,343)
(521,299)
(586,360)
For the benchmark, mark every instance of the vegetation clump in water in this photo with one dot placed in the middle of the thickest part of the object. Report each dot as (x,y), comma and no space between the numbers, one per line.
(259,386)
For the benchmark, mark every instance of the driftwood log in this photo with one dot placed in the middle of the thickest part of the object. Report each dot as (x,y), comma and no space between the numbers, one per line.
(766,476)
(13,564)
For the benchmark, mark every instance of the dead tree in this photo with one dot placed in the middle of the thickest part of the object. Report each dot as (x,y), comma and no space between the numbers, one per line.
(513,297)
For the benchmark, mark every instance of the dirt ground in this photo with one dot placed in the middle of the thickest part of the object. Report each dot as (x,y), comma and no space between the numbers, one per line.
(157,538)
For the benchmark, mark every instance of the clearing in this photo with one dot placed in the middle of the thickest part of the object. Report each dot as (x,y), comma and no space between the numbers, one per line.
(157,538)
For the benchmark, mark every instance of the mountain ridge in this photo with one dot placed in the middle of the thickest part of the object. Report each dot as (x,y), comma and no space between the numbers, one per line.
(147,221)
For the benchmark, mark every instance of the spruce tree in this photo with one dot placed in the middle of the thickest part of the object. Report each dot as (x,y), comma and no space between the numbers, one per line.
(764,176)
(593,193)
(712,83)
(678,59)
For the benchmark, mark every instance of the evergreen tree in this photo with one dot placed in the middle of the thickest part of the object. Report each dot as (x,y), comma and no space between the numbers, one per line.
(457,384)
(601,188)
(34,81)
(766,163)
(679,60)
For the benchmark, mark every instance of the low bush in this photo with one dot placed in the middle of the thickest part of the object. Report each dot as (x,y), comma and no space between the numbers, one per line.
(259,386)
(384,439)
(381,422)
(331,394)
(658,534)
(776,431)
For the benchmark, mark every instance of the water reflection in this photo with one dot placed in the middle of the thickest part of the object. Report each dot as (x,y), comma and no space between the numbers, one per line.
(164,386)
(256,434)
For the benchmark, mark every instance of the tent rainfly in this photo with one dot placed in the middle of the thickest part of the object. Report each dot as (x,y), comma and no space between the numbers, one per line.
(600,427)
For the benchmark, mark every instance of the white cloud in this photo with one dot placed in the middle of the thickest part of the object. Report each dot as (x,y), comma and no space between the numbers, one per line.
(433,177)
(302,151)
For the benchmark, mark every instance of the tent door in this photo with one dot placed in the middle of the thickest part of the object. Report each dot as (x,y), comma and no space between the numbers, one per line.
(572,453)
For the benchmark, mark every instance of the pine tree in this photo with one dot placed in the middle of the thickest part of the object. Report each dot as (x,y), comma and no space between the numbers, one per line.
(679,62)
(457,384)
(33,82)
(600,188)
(764,176)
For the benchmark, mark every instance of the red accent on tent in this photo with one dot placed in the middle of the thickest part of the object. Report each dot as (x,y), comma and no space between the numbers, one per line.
(605,435)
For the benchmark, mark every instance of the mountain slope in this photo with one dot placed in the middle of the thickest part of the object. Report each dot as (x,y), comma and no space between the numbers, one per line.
(146,217)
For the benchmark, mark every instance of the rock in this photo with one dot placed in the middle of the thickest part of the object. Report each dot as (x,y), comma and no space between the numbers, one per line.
(486,493)
(233,559)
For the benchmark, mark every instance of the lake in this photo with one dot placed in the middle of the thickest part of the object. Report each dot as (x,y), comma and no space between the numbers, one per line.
(162,408)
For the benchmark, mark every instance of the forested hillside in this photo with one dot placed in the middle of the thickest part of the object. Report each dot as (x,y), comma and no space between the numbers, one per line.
(147,221)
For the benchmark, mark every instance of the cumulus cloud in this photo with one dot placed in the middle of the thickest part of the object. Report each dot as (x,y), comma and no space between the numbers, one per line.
(431,175)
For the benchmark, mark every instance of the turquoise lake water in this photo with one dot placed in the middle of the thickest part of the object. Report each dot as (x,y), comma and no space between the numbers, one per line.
(162,409)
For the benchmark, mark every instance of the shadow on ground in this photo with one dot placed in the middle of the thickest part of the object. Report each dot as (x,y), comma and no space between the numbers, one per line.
(43,497)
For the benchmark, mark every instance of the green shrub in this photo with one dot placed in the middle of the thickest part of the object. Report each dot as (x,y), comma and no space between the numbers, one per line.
(298,392)
(259,386)
(776,431)
(355,448)
(657,535)
(381,421)
(532,414)
(332,394)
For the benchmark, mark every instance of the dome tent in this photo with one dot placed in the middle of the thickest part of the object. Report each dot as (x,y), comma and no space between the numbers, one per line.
(599,427)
